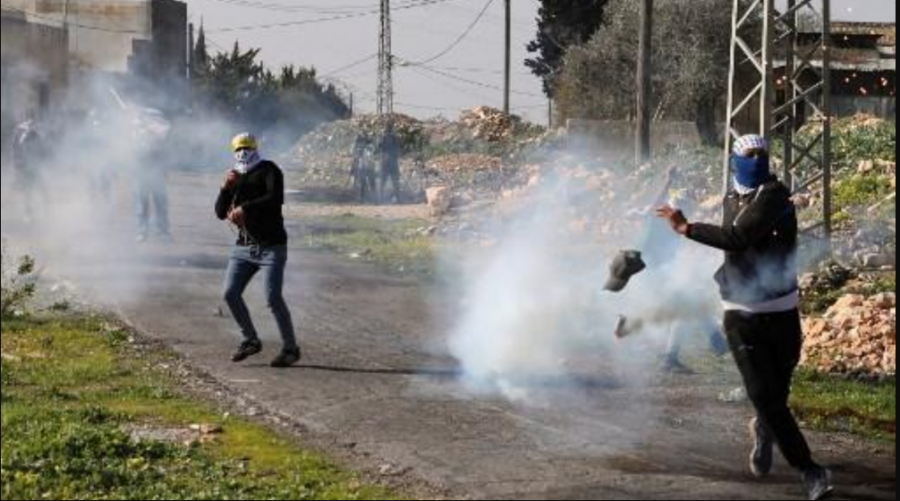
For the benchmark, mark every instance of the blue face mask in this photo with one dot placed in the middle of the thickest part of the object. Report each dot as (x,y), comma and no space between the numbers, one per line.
(751,172)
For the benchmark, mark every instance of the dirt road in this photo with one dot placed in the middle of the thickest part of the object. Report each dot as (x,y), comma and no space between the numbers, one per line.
(379,386)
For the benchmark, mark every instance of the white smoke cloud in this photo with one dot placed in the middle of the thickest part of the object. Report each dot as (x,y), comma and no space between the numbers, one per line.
(534,307)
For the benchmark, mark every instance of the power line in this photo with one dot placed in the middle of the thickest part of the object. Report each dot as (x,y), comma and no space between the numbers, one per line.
(411,5)
(460,38)
(278,7)
(425,107)
(352,65)
(483,71)
(521,22)
(472,82)
(460,90)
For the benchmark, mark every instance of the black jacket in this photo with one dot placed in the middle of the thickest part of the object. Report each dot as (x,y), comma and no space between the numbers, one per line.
(261,194)
(759,237)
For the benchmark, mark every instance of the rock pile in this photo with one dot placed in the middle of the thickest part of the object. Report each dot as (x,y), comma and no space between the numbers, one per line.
(465,163)
(490,124)
(856,337)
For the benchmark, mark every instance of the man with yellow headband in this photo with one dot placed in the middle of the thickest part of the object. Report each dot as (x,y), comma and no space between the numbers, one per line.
(251,199)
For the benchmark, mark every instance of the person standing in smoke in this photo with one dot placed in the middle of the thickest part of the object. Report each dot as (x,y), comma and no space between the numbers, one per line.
(760,292)
(390,162)
(101,175)
(151,188)
(660,250)
(29,151)
(251,199)
(362,172)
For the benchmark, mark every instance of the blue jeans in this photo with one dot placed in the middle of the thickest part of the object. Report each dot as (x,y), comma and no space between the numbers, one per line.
(152,190)
(678,330)
(244,265)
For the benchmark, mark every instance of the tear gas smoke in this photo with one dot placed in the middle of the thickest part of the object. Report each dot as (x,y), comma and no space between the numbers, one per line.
(534,305)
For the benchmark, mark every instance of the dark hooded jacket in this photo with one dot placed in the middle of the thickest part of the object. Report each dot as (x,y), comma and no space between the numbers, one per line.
(759,236)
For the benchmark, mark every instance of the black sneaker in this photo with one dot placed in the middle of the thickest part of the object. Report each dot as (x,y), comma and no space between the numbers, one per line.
(762,458)
(287,358)
(247,350)
(818,483)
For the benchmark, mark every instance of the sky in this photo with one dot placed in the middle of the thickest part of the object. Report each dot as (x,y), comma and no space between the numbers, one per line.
(306,33)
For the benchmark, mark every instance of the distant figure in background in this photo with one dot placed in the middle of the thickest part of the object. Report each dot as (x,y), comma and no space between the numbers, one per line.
(390,162)
(93,132)
(151,132)
(660,248)
(29,152)
(362,172)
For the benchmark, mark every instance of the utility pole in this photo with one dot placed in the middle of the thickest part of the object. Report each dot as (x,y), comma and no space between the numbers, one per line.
(776,57)
(190,52)
(550,113)
(644,84)
(385,96)
(508,61)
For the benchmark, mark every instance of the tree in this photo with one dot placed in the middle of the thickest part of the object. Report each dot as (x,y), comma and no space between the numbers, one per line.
(561,24)
(283,106)
(691,55)
(200,58)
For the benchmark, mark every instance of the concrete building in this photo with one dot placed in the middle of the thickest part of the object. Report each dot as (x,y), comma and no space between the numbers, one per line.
(863,68)
(34,68)
(145,39)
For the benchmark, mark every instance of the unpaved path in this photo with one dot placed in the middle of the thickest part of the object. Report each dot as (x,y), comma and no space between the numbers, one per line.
(378,385)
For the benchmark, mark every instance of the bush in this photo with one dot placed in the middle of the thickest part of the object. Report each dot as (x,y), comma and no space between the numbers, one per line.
(17,283)
(854,140)
(861,190)
(6,377)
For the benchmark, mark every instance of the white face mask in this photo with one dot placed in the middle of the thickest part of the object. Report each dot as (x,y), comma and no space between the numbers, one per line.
(246,160)
(244,156)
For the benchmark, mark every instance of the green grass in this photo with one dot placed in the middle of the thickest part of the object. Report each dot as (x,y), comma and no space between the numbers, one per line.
(851,143)
(834,404)
(395,245)
(818,302)
(70,389)
(859,192)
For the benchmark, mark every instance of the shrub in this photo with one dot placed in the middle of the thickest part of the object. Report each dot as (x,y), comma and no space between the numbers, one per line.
(17,282)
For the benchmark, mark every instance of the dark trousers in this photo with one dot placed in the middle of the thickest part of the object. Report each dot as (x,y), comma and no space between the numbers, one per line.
(390,173)
(767,350)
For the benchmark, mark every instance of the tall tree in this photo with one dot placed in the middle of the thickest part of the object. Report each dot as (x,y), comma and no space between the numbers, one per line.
(200,58)
(690,65)
(283,105)
(561,24)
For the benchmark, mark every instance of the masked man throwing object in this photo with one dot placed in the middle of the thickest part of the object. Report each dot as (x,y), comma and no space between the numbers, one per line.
(761,299)
(251,199)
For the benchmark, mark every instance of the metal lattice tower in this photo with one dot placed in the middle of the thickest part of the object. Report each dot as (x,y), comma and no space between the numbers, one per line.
(385,63)
(789,53)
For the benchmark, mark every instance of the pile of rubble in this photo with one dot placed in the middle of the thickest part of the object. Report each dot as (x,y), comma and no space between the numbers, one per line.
(338,138)
(490,124)
(468,154)
(856,337)
(465,163)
